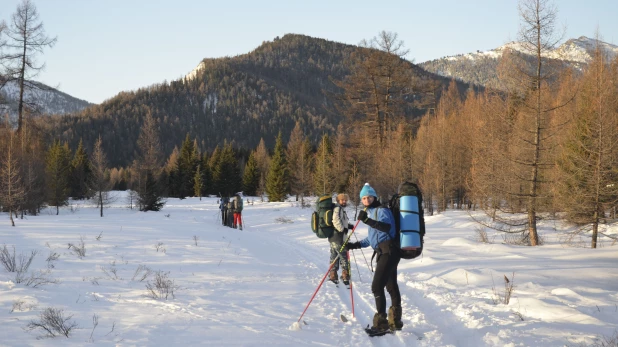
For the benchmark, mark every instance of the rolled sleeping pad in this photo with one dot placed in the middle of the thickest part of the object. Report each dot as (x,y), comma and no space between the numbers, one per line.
(409,223)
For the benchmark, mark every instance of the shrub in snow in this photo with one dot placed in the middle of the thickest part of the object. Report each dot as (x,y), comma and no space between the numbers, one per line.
(12,263)
(80,249)
(53,323)
(162,287)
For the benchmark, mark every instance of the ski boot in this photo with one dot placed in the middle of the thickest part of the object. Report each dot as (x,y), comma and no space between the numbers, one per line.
(345,277)
(380,325)
(333,277)
(394,318)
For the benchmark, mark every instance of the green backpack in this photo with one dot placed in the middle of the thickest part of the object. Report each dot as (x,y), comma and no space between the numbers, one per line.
(322,218)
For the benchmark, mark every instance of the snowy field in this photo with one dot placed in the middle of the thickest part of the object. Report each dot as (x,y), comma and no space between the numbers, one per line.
(249,287)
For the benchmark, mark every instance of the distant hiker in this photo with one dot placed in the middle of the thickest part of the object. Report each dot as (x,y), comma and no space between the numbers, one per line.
(380,237)
(237,208)
(230,212)
(223,208)
(341,224)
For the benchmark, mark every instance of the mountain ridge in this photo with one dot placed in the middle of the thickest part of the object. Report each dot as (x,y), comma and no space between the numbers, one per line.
(238,99)
(480,67)
(49,100)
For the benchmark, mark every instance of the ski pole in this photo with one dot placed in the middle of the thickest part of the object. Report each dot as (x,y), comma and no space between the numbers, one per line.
(326,274)
(357,269)
(351,293)
(363,253)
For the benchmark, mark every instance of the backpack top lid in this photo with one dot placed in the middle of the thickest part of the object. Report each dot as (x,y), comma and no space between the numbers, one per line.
(408,188)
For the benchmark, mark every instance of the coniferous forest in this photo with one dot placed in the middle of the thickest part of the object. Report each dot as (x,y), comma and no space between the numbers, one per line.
(302,116)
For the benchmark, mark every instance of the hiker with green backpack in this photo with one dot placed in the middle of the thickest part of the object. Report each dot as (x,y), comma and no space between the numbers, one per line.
(342,225)
(382,238)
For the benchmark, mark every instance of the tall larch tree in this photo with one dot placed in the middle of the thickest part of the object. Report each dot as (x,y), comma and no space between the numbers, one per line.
(588,164)
(28,39)
(149,188)
(323,175)
(99,184)
(11,185)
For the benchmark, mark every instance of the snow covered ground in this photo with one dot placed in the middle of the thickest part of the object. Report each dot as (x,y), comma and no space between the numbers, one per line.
(249,287)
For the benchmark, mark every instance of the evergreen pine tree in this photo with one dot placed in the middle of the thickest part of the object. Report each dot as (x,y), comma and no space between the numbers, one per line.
(81,173)
(186,169)
(251,178)
(206,176)
(149,199)
(277,179)
(57,169)
(198,183)
(227,173)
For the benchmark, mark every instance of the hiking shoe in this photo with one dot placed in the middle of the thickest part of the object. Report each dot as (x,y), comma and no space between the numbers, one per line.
(345,276)
(380,323)
(394,318)
(333,276)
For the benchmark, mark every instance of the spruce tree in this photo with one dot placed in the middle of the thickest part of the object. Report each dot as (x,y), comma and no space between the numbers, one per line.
(186,169)
(206,176)
(227,173)
(57,169)
(251,178)
(198,183)
(81,173)
(277,179)
(149,198)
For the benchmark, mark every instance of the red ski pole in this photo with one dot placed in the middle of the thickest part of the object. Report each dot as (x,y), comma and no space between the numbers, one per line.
(326,274)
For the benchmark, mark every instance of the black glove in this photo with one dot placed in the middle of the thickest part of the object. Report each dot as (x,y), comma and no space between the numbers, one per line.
(362,216)
(352,245)
(350,226)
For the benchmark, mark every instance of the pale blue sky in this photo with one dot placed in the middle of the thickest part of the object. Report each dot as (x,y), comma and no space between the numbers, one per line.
(107,46)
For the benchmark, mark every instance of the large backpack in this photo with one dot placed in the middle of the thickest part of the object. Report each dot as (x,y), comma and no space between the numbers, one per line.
(407,208)
(238,204)
(322,218)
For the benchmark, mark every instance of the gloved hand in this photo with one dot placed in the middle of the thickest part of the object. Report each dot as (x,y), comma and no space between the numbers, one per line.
(362,216)
(352,245)
(350,226)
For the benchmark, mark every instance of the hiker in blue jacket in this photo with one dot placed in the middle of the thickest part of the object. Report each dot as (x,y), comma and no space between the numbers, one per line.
(381,238)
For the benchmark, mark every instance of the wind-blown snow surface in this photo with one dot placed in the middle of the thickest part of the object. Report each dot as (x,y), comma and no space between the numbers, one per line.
(249,287)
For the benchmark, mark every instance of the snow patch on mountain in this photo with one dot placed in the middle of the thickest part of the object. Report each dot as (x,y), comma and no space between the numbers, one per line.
(47,99)
(191,75)
(578,50)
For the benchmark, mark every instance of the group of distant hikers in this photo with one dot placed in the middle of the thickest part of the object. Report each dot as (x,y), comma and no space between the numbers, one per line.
(231,211)
(396,231)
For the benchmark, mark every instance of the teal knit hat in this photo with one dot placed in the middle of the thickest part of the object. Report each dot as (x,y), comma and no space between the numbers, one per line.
(367,190)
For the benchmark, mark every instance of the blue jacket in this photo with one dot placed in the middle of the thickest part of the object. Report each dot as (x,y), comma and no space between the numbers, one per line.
(375,236)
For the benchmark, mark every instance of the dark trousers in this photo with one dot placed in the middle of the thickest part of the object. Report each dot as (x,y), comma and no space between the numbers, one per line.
(385,276)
